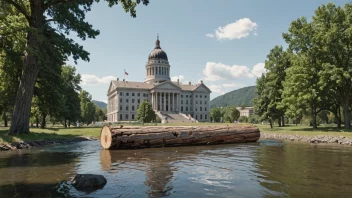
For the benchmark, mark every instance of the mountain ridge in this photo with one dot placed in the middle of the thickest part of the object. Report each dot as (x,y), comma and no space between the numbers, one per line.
(238,97)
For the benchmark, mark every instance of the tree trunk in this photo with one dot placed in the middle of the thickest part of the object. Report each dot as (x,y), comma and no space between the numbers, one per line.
(279,122)
(271,124)
(23,102)
(43,124)
(283,121)
(4,117)
(65,123)
(346,115)
(314,119)
(69,123)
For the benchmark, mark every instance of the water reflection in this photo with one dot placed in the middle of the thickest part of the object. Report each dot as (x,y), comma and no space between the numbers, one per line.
(264,169)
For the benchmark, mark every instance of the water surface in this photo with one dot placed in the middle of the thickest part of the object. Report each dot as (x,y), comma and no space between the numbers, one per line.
(264,169)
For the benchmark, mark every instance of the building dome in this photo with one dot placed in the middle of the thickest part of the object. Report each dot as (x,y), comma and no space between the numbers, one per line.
(157,53)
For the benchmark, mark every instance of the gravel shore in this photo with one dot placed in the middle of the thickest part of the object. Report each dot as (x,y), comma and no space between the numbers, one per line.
(40,143)
(309,139)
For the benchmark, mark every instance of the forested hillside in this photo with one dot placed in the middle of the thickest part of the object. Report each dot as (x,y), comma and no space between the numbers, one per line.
(243,96)
(100,104)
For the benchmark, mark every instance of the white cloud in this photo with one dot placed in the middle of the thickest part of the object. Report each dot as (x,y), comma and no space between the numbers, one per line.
(237,30)
(230,85)
(179,77)
(88,79)
(221,89)
(217,71)
(259,69)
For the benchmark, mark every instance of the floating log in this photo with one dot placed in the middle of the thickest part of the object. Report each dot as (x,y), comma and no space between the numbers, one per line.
(129,137)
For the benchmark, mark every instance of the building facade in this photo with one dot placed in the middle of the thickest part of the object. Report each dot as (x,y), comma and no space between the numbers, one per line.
(246,111)
(166,97)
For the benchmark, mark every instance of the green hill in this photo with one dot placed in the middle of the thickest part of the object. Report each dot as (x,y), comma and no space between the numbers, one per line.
(100,104)
(243,96)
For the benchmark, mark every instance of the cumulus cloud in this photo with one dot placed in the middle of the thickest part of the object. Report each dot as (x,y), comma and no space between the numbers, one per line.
(180,77)
(88,79)
(215,88)
(218,71)
(221,89)
(259,69)
(236,30)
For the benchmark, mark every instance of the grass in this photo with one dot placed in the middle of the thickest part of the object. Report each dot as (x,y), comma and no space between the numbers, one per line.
(69,133)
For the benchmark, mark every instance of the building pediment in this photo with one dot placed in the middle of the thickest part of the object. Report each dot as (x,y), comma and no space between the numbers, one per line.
(111,87)
(202,88)
(167,86)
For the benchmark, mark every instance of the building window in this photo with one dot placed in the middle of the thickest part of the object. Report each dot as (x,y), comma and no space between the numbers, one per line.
(132,109)
(127,94)
(186,108)
(139,101)
(181,96)
(200,102)
(120,116)
(186,101)
(196,101)
(186,96)
(132,94)
(126,116)
(205,109)
(137,106)
(121,107)
(196,96)
(156,70)
(206,117)
(200,108)
(121,94)
(205,97)
(205,102)
(127,108)
(196,109)
(196,117)
(181,108)
(132,100)
(181,101)
(201,117)
(127,100)
(120,100)
(139,94)
(132,116)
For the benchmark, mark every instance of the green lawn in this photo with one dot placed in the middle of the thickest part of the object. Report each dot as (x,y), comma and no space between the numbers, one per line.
(62,133)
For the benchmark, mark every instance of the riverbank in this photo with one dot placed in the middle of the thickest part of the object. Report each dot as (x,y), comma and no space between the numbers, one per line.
(324,134)
(45,137)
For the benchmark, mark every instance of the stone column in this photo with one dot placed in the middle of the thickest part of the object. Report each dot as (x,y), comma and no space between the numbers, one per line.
(156,101)
(168,101)
(178,102)
(164,101)
(153,106)
(173,101)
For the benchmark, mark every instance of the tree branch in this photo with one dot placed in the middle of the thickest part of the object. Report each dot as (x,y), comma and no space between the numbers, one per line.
(56,2)
(19,8)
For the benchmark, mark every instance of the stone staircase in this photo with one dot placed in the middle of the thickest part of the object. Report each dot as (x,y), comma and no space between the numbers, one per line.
(174,118)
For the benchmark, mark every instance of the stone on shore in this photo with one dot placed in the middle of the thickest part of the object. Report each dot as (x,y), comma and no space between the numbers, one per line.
(88,182)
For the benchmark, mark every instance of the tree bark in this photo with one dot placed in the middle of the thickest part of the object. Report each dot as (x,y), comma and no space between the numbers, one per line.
(314,119)
(65,123)
(271,124)
(23,102)
(279,122)
(283,121)
(43,124)
(4,117)
(69,123)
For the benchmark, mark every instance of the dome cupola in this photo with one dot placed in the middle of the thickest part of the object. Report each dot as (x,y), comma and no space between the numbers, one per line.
(157,53)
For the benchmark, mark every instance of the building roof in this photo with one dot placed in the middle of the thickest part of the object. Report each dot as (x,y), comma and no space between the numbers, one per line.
(157,53)
(131,85)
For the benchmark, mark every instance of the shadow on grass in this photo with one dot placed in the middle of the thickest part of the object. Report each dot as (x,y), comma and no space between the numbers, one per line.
(33,136)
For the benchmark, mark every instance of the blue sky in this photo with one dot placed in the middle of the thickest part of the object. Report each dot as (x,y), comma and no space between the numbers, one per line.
(222,42)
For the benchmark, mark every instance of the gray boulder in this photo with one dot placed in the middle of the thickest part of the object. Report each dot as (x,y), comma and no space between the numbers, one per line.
(88,181)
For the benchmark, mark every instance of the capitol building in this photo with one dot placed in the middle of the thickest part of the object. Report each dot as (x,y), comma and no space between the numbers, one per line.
(171,101)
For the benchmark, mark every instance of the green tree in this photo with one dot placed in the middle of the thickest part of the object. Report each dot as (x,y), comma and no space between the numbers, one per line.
(87,107)
(262,101)
(231,114)
(333,25)
(278,61)
(145,112)
(243,119)
(215,114)
(47,26)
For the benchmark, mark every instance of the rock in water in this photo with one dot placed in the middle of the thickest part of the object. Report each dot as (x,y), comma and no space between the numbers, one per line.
(88,182)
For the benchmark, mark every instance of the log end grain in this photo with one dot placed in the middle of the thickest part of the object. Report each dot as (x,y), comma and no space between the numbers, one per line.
(105,137)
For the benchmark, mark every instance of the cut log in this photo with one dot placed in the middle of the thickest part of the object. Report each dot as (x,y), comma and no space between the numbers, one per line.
(132,137)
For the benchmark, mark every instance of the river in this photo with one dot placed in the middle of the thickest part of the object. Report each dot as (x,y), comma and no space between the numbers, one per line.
(267,168)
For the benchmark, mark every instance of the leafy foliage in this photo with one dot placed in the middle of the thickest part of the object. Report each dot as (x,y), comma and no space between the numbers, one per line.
(145,112)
